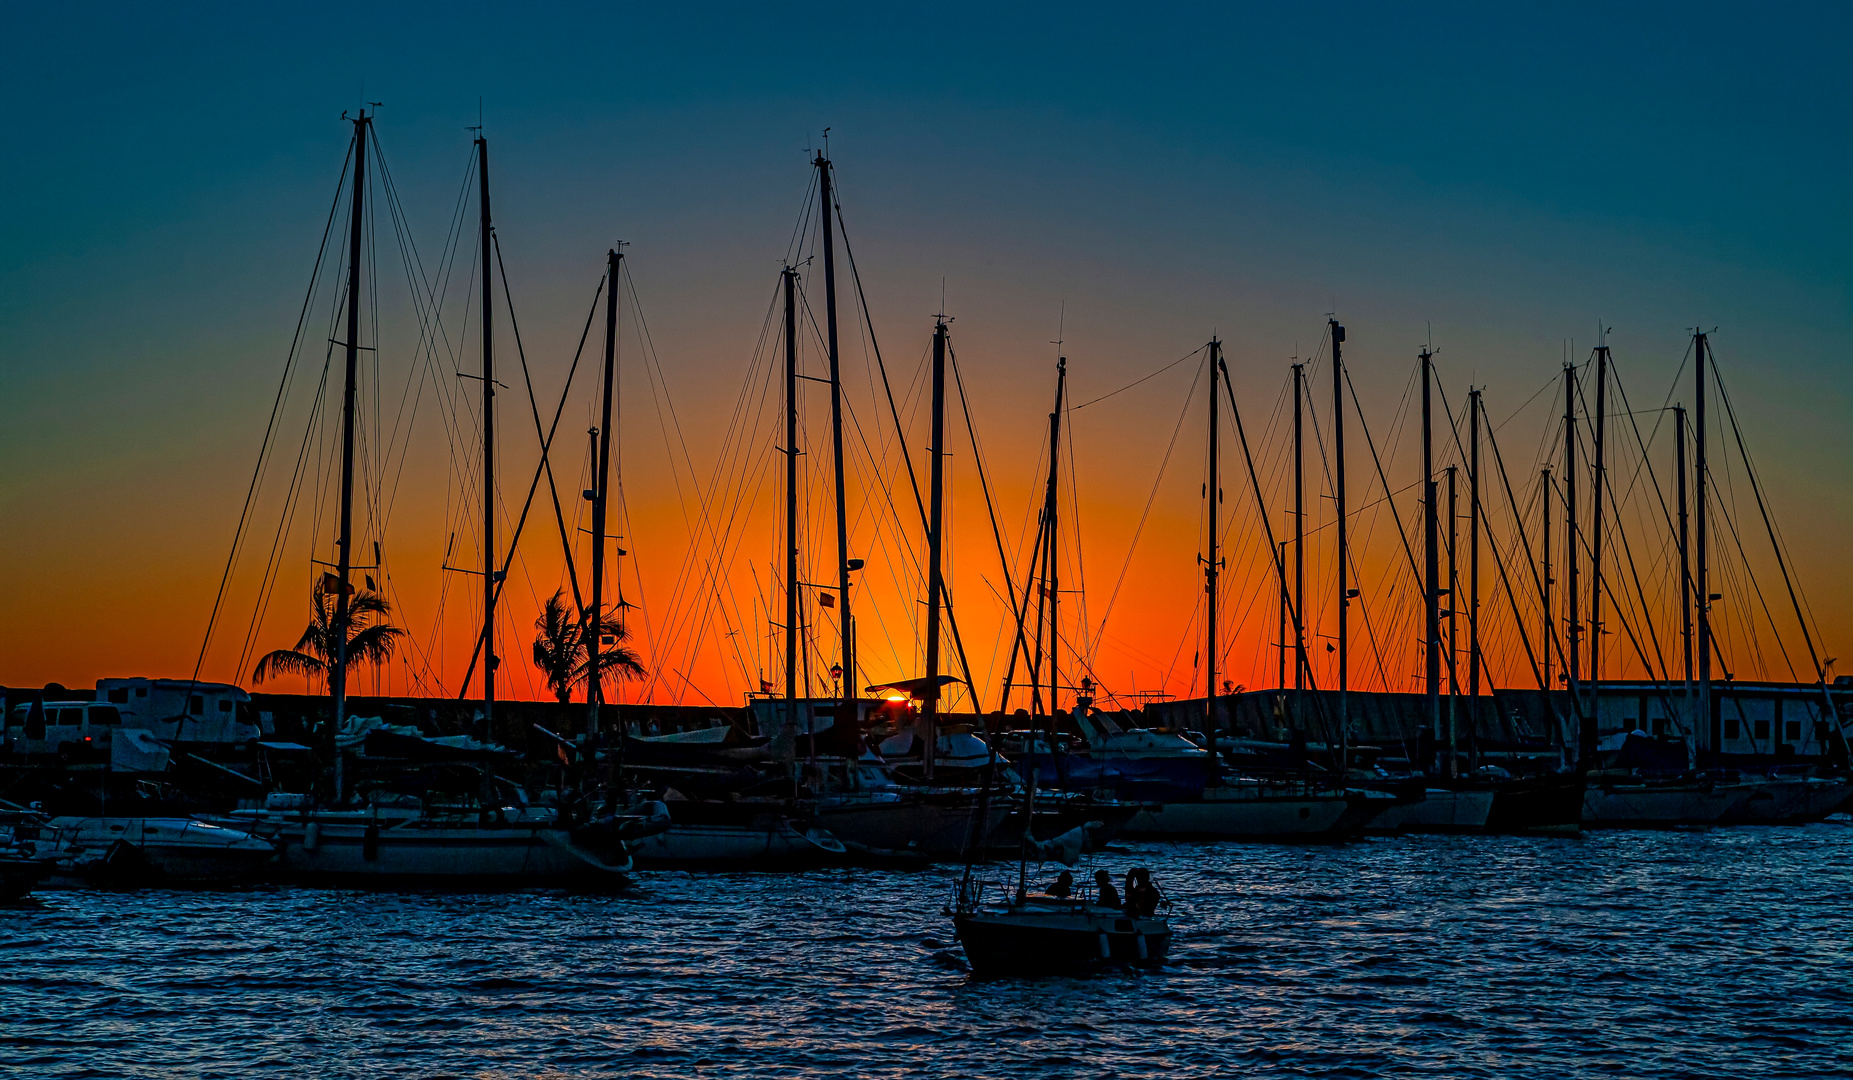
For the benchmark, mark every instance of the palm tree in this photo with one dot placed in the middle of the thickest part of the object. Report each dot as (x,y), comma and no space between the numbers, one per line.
(560,648)
(370,638)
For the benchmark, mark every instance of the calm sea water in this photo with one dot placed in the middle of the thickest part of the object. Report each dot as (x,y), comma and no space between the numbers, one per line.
(1721,954)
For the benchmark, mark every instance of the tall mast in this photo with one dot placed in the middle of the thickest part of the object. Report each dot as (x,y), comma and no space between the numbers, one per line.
(935,548)
(488,375)
(1299,539)
(1453,590)
(1546,490)
(792,629)
(845,712)
(1430,552)
(1595,532)
(1701,573)
(601,490)
(1573,624)
(1474,405)
(1338,492)
(337,677)
(1685,561)
(1051,559)
(1286,601)
(1210,566)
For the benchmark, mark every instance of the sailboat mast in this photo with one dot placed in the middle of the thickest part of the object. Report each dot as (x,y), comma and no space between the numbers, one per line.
(1214,492)
(1701,573)
(1050,559)
(1598,464)
(1573,624)
(1545,491)
(1431,555)
(845,714)
(1685,561)
(601,491)
(337,676)
(935,550)
(1453,613)
(792,630)
(1286,601)
(1474,405)
(1338,493)
(485,239)
(1299,540)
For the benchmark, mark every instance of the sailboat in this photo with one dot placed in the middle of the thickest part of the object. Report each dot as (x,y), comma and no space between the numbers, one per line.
(1020,933)
(452,822)
(1231,806)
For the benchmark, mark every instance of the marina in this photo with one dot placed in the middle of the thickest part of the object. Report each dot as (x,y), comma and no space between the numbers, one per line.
(1183,542)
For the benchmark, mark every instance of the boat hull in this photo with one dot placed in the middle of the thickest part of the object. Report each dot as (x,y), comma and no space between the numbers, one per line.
(1073,940)
(349,849)
(1655,806)
(933,828)
(19,876)
(1440,810)
(1552,803)
(1790,801)
(1248,814)
(177,851)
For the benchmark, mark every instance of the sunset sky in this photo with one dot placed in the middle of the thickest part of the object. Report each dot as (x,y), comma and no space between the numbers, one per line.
(1130,180)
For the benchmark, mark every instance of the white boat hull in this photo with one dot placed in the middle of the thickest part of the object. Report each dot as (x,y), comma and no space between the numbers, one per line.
(1239,814)
(347,847)
(1660,806)
(907,824)
(178,850)
(749,846)
(1440,810)
(1791,801)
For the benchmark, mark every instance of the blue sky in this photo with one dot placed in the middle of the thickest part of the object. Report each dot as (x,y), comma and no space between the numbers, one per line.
(1505,175)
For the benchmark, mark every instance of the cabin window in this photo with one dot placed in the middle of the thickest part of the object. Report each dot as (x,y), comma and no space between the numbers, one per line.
(120,695)
(1762,729)
(1730,729)
(1659,726)
(225,706)
(141,691)
(1792,730)
(196,705)
(105,714)
(1820,731)
(70,717)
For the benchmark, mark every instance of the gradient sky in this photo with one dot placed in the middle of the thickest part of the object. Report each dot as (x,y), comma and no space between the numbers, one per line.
(1499,179)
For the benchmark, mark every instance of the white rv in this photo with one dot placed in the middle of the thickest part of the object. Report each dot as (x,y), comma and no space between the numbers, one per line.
(180,710)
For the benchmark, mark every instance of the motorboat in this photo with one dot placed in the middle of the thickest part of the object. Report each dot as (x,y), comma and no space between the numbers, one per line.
(1130,764)
(170,850)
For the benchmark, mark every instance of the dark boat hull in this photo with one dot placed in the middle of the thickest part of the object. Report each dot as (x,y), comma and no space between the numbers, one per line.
(1550,803)
(1059,942)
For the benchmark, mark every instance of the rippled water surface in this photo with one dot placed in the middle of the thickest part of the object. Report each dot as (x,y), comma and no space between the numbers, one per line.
(1718,954)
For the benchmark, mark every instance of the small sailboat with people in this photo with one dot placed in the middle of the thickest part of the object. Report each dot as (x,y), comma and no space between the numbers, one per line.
(1007,930)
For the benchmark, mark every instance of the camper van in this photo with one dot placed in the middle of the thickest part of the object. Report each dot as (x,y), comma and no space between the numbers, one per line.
(183,710)
(77,731)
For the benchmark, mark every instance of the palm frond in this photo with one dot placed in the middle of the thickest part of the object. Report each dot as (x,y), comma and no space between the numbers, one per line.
(287,662)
